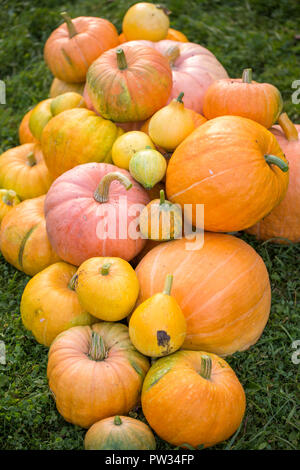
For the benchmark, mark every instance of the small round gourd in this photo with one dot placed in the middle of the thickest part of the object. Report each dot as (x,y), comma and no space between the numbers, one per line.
(127,145)
(148,167)
(146,21)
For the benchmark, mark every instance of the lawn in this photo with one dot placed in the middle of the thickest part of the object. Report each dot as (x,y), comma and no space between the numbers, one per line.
(254,33)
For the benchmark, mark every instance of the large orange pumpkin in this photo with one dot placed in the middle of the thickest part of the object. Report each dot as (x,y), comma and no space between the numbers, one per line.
(193,398)
(283,223)
(95,372)
(222,288)
(25,134)
(129,83)
(232,165)
(59,87)
(74,45)
(23,238)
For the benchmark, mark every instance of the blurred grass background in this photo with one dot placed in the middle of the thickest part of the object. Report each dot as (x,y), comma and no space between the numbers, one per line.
(241,33)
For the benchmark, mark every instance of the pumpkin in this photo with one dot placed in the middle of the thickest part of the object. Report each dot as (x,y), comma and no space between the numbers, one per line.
(148,167)
(260,102)
(197,118)
(232,165)
(161,220)
(148,247)
(25,134)
(222,288)
(59,87)
(176,35)
(50,288)
(119,433)
(193,398)
(23,238)
(146,21)
(77,136)
(283,223)
(95,372)
(110,79)
(23,169)
(127,145)
(90,213)
(8,200)
(194,68)
(157,327)
(74,45)
(169,126)
(107,287)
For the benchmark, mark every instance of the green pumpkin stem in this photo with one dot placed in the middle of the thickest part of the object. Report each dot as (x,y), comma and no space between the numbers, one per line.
(105,269)
(102,192)
(70,24)
(97,351)
(73,282)
(162,198)
(117,420)
(272,159)
(31,160)
(179,97)
(168,284)
(288,127)
(247,76)
(121,59)
(206,366)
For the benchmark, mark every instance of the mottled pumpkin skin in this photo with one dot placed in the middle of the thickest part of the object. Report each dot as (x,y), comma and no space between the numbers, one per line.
(222,165)
(87,391)
(284,221)
(75,137)
(134,93)
(59,87)
(223,290)
(40,300)
(69,58)
(25,134)
(23,238)
(76,222)
(131,434)
(16,173)
(184,408)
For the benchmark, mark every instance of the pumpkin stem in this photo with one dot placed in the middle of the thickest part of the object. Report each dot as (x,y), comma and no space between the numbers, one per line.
(70,24)
(179,97)
(162,198)
(288,127)
(168,284)
(164,9)
(31,160)
(121,59)
(206,366)
(172,54)
(272,159)
(101,193)
(117,420)
(105,269)
(8,196)
(73,282)
(247,76)
(97,351)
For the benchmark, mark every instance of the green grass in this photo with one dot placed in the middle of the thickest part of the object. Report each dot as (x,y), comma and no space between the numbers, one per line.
(241,33)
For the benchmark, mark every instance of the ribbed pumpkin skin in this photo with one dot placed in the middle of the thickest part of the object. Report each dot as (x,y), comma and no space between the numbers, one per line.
(25,134)
(69,58)
(75,220)
(223,290)
(132,434)
(184,408)
(23,238)
(59,87)
(284,220)
(260,102)
(40,300)
(75,137)
(222,165)
(134,93)
(87,391)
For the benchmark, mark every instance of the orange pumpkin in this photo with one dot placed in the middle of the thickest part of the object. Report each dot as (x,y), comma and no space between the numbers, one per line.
(193,398)
(175,35)
(74,45)
(260,102)
(23,238)
(110,79)
(95,372)
(222,288)
(232,165)
(59,87)
(25,134)
(8,200)
(283,223)
(23,169)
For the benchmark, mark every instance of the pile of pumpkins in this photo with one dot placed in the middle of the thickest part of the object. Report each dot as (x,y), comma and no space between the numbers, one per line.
(132,120)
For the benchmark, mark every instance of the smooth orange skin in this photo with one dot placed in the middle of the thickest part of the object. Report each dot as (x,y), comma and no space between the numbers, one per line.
(134,93)
(59,87)
(184,408)
(222,165)
(260,102)
(15,173)
(284,220)
(87,391)
(148,246)
(5,204)
(23,238)
(223,290)
(173,35)
(69,58)
(25,134)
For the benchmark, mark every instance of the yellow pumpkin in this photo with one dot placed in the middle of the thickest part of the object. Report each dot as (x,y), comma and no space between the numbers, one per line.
(158,327)
(127,145)
(50,305)
(8,200)
(170,125)
(146,21)
(59,87)
(107,287)
(148,167)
